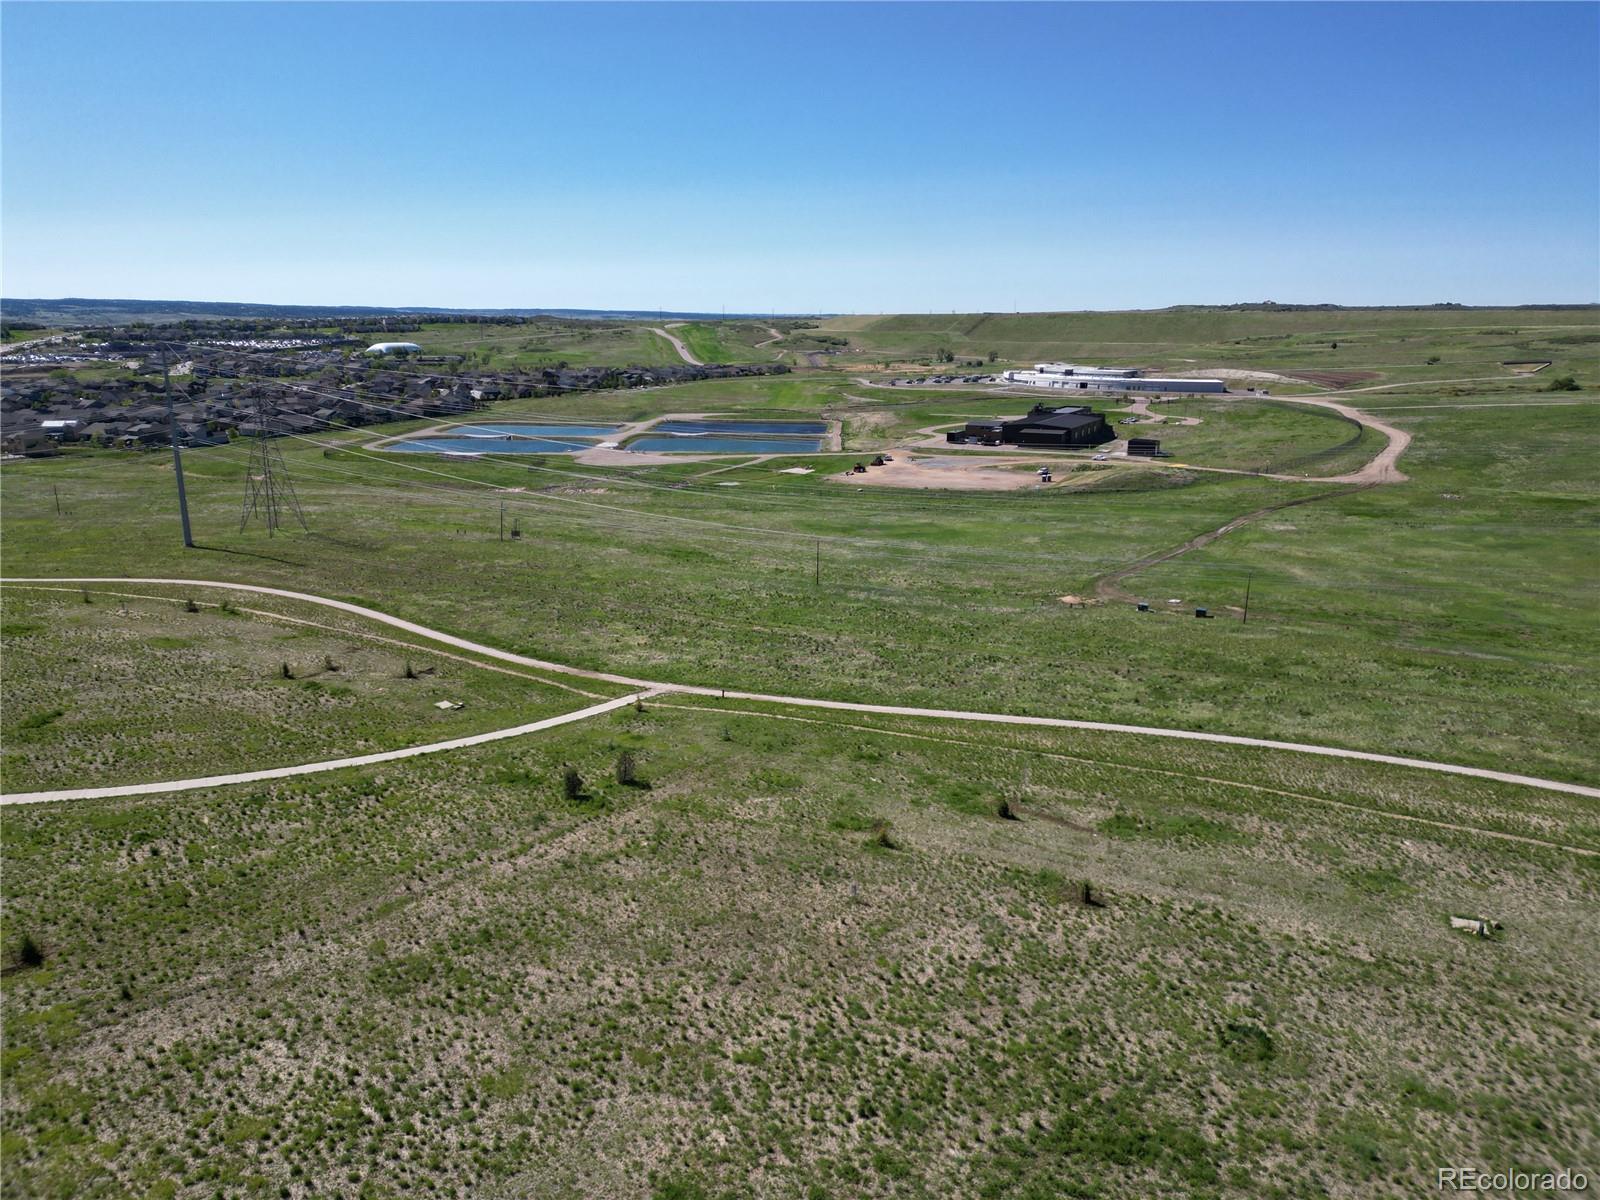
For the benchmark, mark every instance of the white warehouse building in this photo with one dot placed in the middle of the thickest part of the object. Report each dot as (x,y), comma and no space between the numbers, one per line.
(1060,376)
(394,348)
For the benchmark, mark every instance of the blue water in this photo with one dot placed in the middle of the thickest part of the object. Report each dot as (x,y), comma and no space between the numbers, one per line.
(727,445)
(490,445)
(556,431)
(713,426)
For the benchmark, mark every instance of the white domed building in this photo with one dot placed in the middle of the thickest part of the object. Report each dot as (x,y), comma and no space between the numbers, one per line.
(394,348)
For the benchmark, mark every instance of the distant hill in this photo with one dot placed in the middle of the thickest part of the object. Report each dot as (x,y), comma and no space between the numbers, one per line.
(73,310)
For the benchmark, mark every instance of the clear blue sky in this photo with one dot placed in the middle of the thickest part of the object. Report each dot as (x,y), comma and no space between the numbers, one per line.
(802,157)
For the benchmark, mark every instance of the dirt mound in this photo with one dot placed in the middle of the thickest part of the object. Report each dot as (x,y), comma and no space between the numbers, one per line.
(1333,379)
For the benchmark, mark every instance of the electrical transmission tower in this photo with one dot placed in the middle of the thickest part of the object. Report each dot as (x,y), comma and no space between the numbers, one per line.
(268,490)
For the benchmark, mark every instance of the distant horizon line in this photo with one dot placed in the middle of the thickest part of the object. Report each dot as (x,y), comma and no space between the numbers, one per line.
(7,303)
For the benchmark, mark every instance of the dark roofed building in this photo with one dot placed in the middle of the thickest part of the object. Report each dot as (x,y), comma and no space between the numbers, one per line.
(1076,426)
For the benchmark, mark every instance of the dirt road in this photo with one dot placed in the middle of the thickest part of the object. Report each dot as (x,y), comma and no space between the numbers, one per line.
(364,760)
(648,688)
(1108,586)
(683,351)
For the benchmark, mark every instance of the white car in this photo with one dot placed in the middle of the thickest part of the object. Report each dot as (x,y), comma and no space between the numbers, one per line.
(1101,457)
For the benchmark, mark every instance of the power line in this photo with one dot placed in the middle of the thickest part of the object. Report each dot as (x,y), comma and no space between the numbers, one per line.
(268,489)
(177,454)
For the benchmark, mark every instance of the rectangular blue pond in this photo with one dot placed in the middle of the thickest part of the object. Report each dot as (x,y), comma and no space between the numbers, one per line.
(492,445)
(522,430)
(712,444)
(709,425)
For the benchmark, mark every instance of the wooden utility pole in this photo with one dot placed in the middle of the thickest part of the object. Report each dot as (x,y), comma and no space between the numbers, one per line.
(502,520)
(177,455)
(1248,579)
(817,580)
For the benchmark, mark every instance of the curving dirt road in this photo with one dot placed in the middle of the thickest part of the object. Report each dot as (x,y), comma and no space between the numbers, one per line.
(649,688)
(364,760)
(677,344)
(1107,586)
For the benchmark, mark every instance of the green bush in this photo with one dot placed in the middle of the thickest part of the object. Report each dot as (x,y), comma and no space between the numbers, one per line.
(29,953)
(1246,1042)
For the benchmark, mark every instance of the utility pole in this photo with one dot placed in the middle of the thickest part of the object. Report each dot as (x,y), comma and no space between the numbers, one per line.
(502,520)
(177,455)
(56,488)
(817,581)
(1247,581)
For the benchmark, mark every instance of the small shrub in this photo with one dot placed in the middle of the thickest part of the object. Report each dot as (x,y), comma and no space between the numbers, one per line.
(571,783)
(880,837)
(39,720)
(29,952)
(1562,383)
(1433,359)
(287,672)
(1004,811)
(190,606)
(328,664)
(85,594)
(1086,897)
(409,672)
(1246,1042)
(627,769)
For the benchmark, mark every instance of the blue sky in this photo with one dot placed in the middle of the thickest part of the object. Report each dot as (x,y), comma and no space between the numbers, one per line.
(801,157)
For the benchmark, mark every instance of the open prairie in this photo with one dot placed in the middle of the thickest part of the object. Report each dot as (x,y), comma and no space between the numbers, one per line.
(707,946)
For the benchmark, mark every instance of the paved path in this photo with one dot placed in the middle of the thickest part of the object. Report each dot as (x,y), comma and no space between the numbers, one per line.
(683,351)
(651,687)
(364,760)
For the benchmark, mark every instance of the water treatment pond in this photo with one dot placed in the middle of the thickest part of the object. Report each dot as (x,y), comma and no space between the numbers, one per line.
(712,436)
(509,439)
(716,425)
(711,444)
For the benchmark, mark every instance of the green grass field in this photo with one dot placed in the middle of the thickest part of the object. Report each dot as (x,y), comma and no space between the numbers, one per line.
(1398,342)
(804,953)
(9,335)
(1419,599)
(728,341)
(131,666)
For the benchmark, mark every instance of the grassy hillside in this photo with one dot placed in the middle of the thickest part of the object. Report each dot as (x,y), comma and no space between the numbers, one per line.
(1396,342)
(1451,610)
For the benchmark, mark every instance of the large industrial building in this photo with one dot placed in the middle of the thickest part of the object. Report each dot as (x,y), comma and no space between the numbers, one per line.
(1071,377)
(393,348)
(1042,427)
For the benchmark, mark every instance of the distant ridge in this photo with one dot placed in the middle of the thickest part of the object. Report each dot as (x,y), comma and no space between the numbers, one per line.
(75,310)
